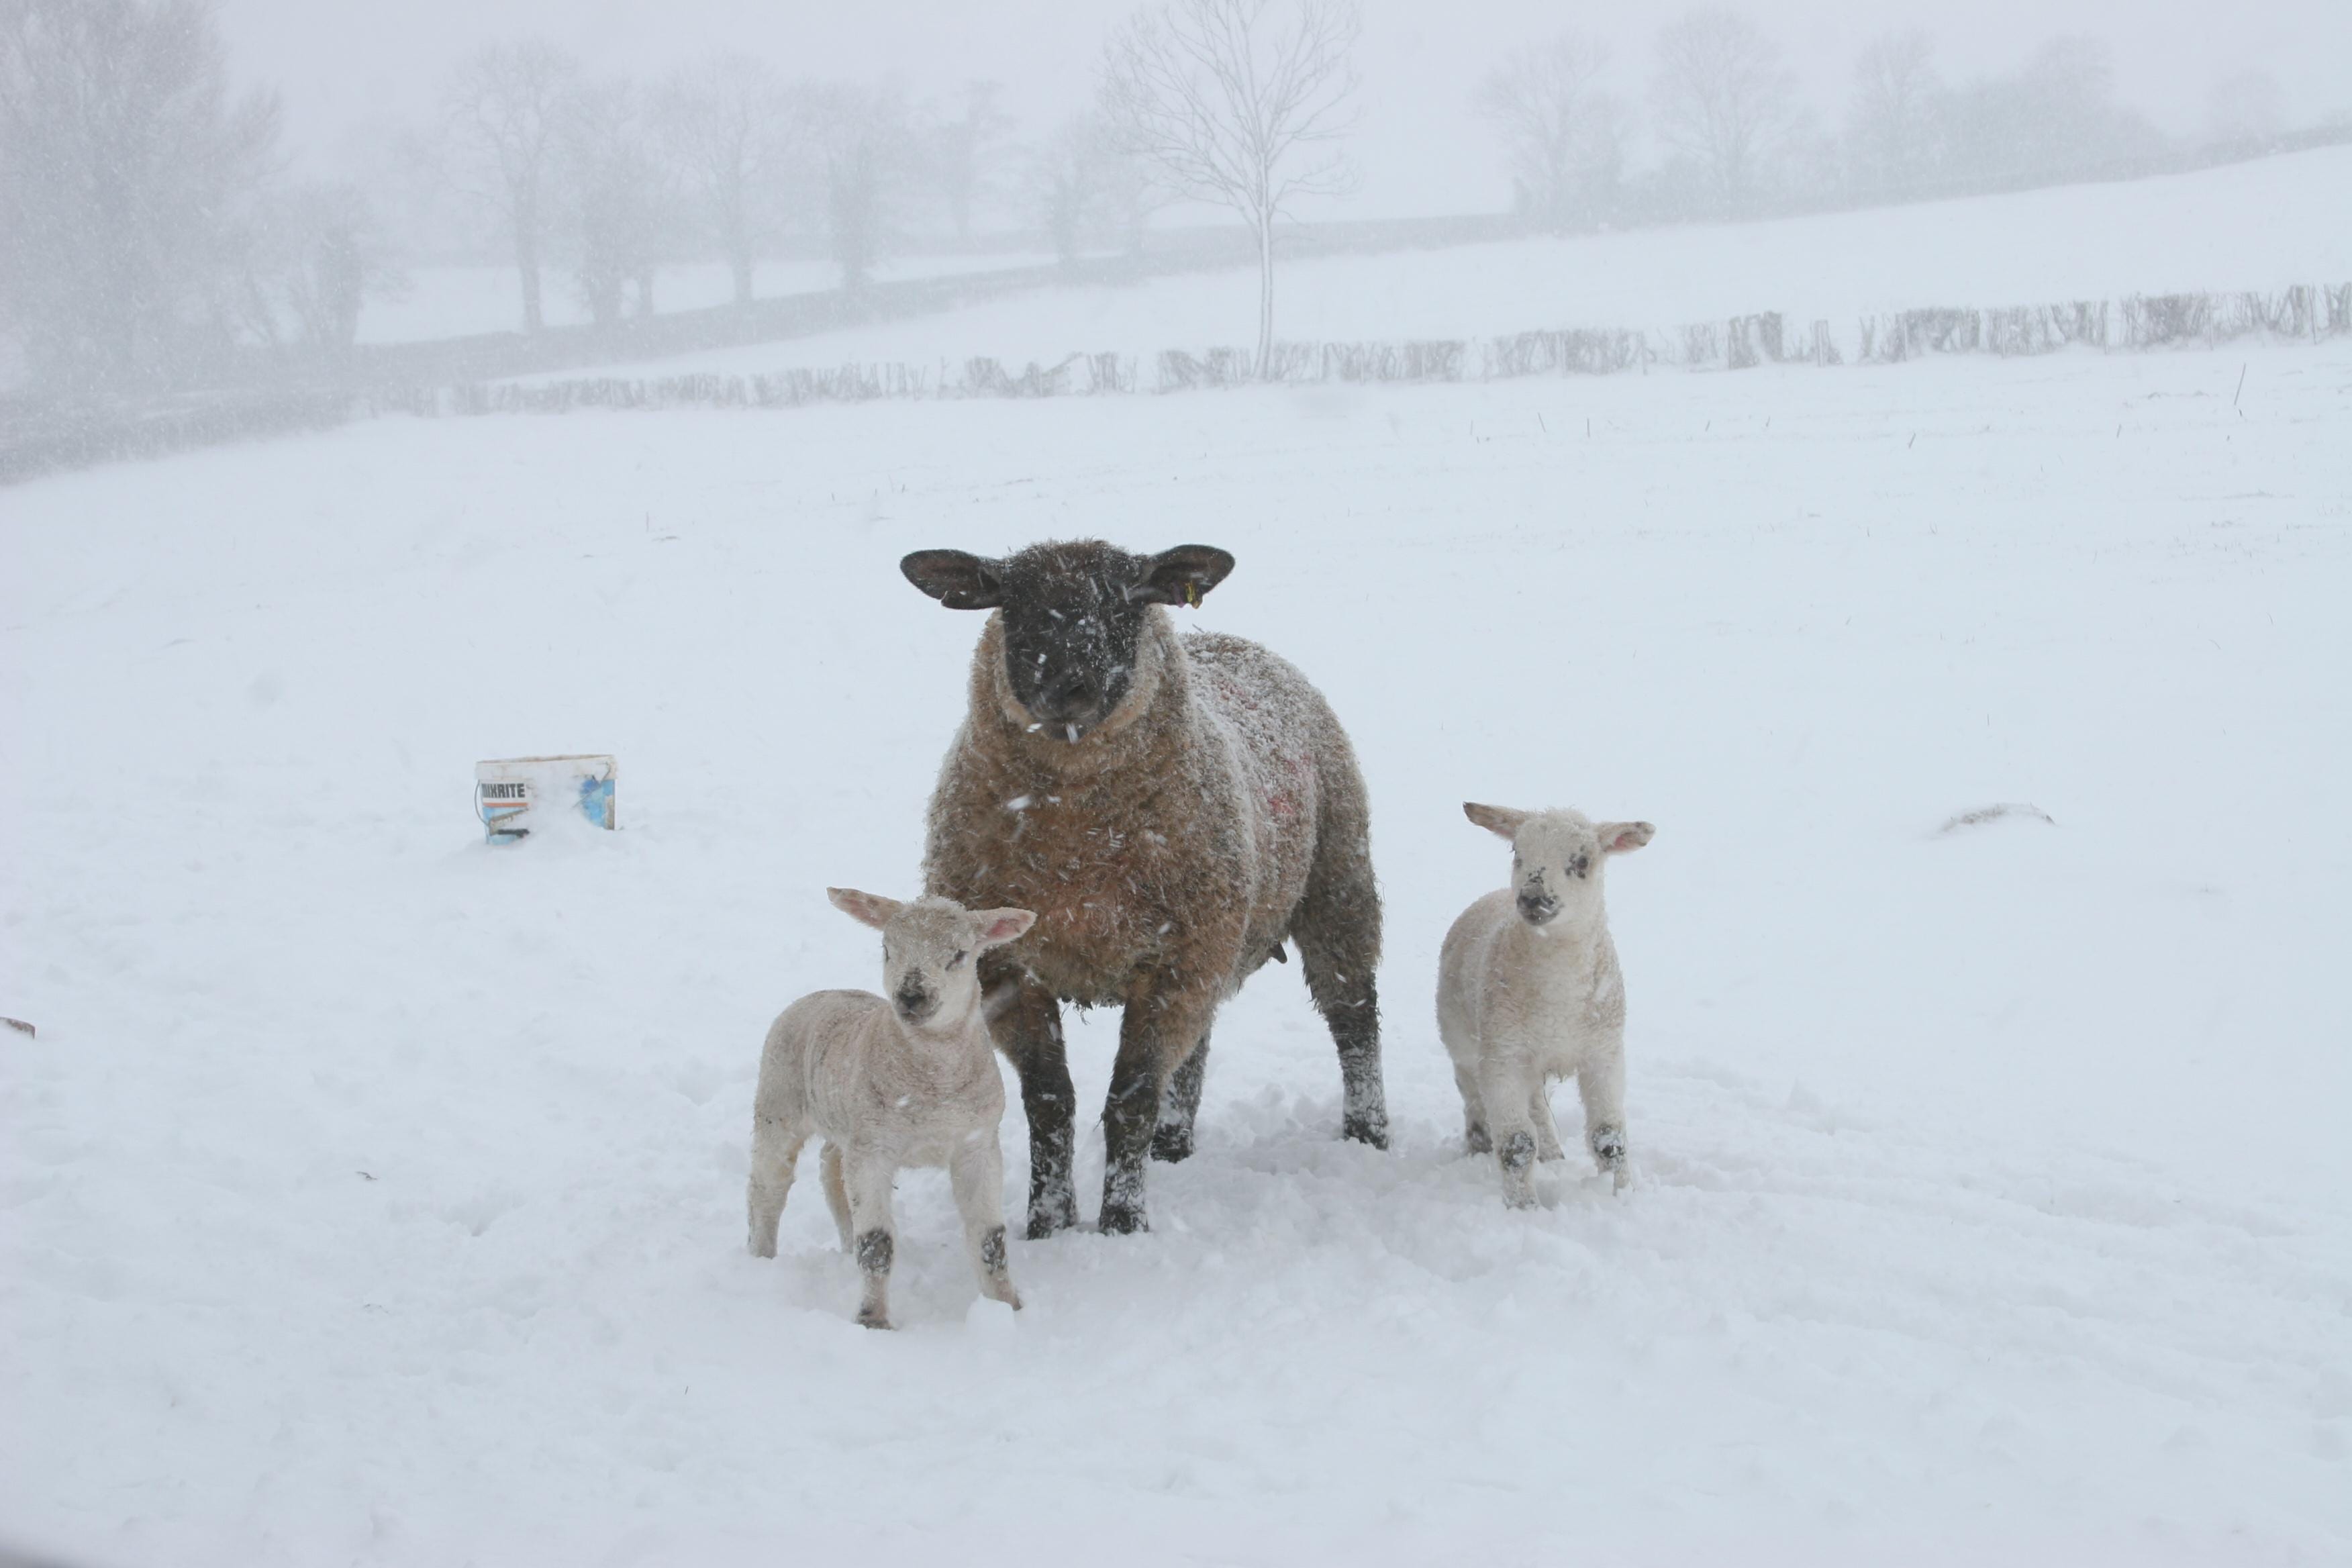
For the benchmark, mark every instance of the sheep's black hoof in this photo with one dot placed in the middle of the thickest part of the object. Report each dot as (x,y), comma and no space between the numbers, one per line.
(866,1320)
(1048,1213)
(1372,1130)
(1171,1143)
(1124,1219)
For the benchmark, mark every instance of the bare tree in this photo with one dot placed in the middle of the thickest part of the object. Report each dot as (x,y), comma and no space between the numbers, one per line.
(1086,189)
(1724,101)
(864,149)
(131,182)
(1891,128)
(964,150)
(730,127)
(501,112)
(615,200)
(1566,136)
(332,256)
(1237,102)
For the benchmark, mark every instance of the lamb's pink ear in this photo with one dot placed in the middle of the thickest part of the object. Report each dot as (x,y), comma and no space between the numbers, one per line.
(959,580)
(1619,837)
(1181,576)
(1499,820)
(866,909)
(998,927)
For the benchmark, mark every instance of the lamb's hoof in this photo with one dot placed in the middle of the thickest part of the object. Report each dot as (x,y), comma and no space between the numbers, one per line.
(1547,1153)
(1173,1144)
(1124,1219)
(1512,1200)
(762,1248)
(1372,1130)
(1476,1142)
(868,1320)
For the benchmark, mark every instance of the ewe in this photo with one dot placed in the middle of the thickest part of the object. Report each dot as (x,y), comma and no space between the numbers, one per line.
(909,1081)
(1528,990)
(1174,809)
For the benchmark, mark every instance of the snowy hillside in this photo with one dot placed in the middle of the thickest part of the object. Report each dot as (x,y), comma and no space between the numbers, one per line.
(373,1196)
(2263,225)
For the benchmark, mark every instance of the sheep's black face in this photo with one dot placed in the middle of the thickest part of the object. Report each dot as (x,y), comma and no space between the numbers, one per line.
(1073,617)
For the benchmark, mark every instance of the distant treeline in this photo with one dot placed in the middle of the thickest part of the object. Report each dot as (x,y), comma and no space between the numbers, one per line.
(150,240)
(2305,313)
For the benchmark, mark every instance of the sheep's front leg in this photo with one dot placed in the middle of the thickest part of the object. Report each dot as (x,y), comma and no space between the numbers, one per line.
(1163,1017)
(868,1175)
(1601,1085)
(977,1175)
(1509,1082)
(1026,1021)
(775,1151)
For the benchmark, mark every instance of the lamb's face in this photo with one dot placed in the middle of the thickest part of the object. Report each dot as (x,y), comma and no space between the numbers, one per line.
(1073,618)
(928,949)
(1557,858)
(1556,866)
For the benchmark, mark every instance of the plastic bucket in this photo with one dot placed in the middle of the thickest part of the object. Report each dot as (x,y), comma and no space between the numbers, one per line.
(508,792)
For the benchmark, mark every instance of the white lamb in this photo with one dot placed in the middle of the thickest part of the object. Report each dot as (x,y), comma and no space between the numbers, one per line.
(890,1084)
(1529,990)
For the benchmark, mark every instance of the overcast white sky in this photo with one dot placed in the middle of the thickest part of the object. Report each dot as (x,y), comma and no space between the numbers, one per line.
(339,64)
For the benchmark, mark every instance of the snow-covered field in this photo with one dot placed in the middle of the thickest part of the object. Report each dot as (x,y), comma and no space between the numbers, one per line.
(372,1196)
(2263,225)
(458,302)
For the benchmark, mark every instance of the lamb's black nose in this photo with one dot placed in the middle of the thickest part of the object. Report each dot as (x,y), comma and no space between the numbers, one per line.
(1535,910)
(915,1005)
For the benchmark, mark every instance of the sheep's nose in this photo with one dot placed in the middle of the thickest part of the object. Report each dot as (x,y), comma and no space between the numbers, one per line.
(915,1003)
(1067,696)
(1538,908)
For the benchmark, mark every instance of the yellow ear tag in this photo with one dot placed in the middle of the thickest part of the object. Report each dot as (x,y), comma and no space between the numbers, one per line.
(1191,593)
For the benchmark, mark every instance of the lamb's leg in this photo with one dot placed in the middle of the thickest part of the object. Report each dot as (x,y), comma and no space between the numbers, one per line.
(1172,1140)
(775,1150)
(1027,1028)
(837,1196)
(977,1173)
(1540,1117)
(868,1177)
(1507,1083)
(1163,1016)
(1337,928)
(1601,1085)
(1474,1137)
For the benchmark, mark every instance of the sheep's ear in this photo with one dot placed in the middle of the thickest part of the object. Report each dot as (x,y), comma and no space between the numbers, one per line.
(1620,837)
(1499,820)
(1181,576)
(866,909)
(998,927)
(957,579)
